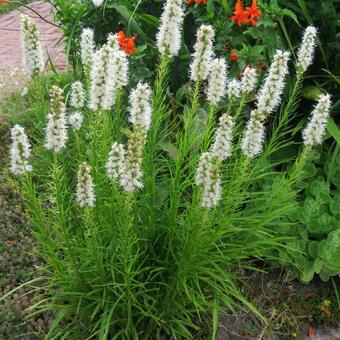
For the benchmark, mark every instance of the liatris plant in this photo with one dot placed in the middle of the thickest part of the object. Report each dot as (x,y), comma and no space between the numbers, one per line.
(143,221)
(33,58)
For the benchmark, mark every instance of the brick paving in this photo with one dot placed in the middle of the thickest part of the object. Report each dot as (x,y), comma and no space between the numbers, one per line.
(10,45)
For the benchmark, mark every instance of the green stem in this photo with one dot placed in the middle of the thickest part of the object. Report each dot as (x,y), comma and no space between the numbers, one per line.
(210,127)
(284,115)
(240,107)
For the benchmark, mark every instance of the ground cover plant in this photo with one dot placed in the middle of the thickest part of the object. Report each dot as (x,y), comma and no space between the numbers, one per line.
(143,209)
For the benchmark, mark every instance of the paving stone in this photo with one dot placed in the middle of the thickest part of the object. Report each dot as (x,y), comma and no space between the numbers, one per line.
(10,44)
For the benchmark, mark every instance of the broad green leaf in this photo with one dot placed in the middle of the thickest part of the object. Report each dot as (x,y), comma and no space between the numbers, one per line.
(333,129)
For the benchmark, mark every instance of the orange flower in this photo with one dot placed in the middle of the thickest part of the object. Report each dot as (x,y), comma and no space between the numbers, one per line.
(249,15)
(4,2)
(262,65)
(253,13)
(233,55)
(239,14)
(127,44)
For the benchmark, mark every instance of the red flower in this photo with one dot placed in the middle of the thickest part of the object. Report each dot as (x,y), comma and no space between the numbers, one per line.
(190,2)
(9,242)
(253,13)
(249,15)
(127,44)
(239,14)
(4,2)
(262,65)
(233,55)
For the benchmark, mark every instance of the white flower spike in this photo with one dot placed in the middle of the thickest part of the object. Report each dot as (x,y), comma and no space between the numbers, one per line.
(169,34)
(20,151)
(87,48)
(131,173)
(306,51)
(234,89)
(140,107)
(315,129)
(269,96)
(102,81)
(56,131)
(217,81)
(85,194)
(76,120)
(120,65)
(211,187)
(33,58)
(221,147)
(249,80)
(202,57)
(115,162)
(202,169)
(253,138)
(77,95)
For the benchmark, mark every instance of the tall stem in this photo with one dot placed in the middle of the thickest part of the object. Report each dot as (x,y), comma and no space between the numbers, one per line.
(284,115)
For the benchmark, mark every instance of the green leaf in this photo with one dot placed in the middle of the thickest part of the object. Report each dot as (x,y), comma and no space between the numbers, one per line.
(335,205)
(291,14)
(334,130)
(313,249)
(318,263)
(171,149)
(127,15)
(312,92)
(308,272)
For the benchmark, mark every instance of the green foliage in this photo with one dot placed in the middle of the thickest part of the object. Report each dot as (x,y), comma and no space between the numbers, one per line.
(318,250)
(154,262)
(254,45)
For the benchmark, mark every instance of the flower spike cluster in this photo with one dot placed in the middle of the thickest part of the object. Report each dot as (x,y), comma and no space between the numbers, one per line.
(20,151)
(76,120)
(253,138)
(120,63)
(221,147)
(208,177)
(217,81)
(127,165)
(200,66)
(169,34)
(56,131)
(87,48)
(115,162)
(306,51)
(102,83)
(202,168)
(234,89)
(33,58)
(140,109)
(315,129)
(85,194)
(120,68)
(249,80)
(269,96)
(77,95)
(208,170)
(131,173)
(211,187)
